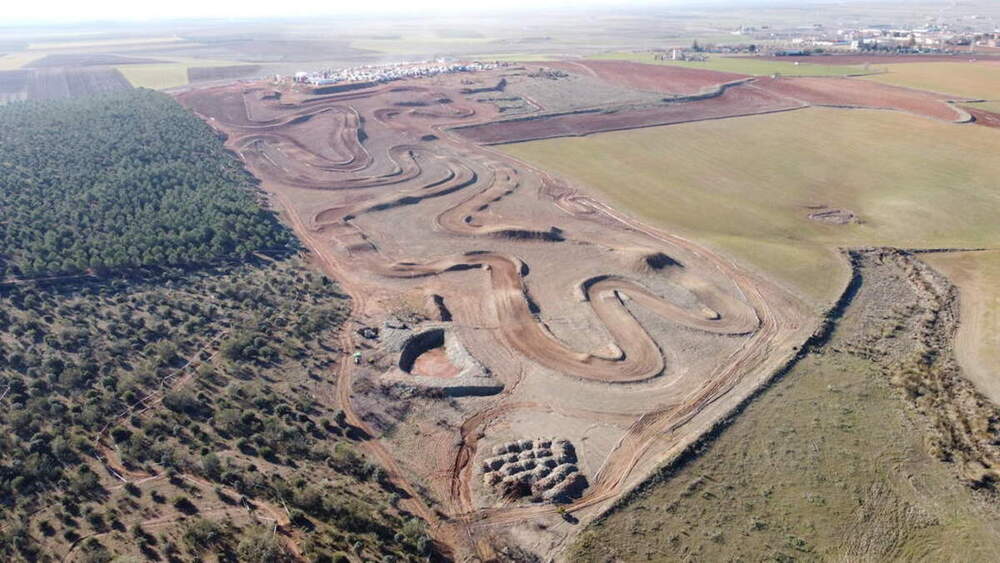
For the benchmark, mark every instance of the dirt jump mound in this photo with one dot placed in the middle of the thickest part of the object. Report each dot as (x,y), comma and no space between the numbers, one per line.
(646,261)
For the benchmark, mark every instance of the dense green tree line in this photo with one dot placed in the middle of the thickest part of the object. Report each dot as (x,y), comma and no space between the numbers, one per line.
(120,181)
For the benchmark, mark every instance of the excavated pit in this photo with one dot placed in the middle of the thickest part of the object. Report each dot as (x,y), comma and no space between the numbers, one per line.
(423,351)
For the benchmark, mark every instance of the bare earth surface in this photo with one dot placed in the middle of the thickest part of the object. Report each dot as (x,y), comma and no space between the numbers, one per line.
(567,319)
(666,79)
(977,342)
(845,92)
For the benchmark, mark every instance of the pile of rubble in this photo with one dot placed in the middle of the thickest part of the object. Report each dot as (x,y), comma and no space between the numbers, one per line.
(543,469)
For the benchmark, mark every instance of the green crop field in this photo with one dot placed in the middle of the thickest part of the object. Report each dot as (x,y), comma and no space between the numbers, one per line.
(745,65)
(971,80)
(168,74)
(156,76)
(987,106)
(744,185)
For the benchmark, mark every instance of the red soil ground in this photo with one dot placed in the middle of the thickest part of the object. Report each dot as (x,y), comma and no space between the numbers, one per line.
(875,59)
(435,363)
(657,78)
(983,117)
(842,92)
(735,101)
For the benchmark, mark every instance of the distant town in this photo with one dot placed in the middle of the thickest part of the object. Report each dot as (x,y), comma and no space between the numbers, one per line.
(817,39)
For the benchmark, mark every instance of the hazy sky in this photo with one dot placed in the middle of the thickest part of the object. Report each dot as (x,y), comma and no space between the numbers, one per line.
(89,10)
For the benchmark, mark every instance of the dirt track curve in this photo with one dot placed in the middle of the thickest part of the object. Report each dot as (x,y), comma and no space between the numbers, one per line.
(582,313)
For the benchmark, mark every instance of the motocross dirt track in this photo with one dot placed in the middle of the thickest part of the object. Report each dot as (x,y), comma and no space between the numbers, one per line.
(582,313)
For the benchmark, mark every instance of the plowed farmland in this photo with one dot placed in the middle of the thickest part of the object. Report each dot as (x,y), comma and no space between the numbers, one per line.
(860,94)
(51,83)
(983,116)
(658,78)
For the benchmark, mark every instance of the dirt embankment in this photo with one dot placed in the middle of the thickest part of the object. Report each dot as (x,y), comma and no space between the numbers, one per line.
(983,117)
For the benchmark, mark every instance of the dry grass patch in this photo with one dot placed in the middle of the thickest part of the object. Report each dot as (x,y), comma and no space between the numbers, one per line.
(971,80)
(746,65)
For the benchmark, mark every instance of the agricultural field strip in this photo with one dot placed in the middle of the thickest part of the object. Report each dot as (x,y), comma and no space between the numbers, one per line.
(730,99)
(977,81)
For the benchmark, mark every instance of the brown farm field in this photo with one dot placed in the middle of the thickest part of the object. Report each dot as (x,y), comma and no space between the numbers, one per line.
(986,114)
(839,92)
(210,73)
(748,185)
(657,78)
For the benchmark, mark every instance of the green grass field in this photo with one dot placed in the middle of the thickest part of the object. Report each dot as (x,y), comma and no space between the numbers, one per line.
(988,106)
(743,185)
(977,81)
(156,76)
(168,74)
(744,65)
